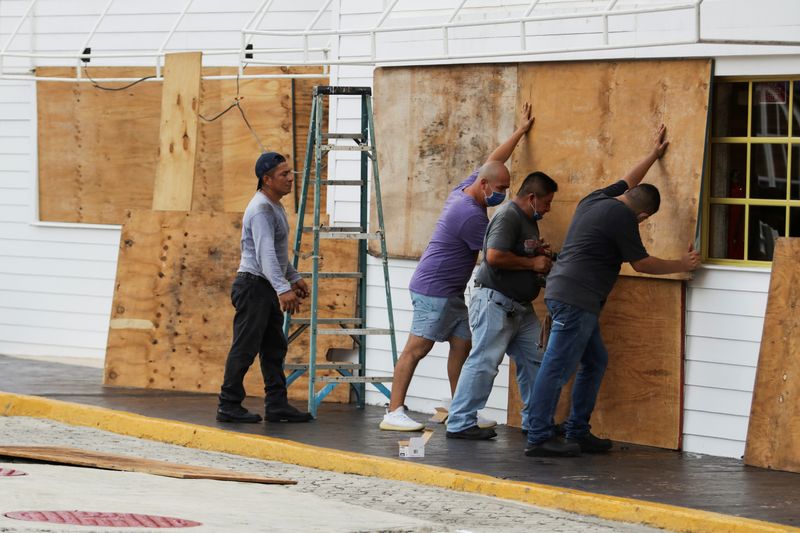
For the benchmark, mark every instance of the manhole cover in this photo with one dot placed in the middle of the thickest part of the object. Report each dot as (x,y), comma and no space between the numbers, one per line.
(8,472)
(88,518)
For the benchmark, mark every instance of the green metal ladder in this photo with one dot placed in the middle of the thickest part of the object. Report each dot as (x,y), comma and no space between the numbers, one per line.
(355,327)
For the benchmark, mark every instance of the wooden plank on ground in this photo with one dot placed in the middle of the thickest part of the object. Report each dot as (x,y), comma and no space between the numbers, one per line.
(127,463)
(180,102)
(171,314)
(773,435)
(614,109)
(640,400)
(434,126)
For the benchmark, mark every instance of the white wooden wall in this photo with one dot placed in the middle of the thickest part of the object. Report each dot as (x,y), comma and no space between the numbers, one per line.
(56,282)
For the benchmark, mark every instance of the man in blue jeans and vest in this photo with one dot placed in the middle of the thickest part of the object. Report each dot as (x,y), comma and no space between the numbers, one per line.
(603,234)
(500,312)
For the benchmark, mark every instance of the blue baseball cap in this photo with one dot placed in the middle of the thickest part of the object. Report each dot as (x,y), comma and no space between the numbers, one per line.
(266,162)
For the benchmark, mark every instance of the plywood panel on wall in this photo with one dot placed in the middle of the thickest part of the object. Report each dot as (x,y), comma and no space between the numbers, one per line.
(773,436)
(98,149)
(434,126)
(595,120)
(171,315)
(640,398)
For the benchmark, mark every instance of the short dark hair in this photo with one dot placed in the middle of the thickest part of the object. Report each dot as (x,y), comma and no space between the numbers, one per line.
(537,183)
(645,198)
(267,163)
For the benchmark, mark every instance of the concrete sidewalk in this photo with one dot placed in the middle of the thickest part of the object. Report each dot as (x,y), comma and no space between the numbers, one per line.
(321,501)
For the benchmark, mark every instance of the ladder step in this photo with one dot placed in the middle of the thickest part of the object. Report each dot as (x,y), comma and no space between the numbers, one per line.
(323,366)
(343,183)
(354,136)
(345,148)
(347,229)
(351,275)
(354,379)
(348,235)
(343,320)
(355,331)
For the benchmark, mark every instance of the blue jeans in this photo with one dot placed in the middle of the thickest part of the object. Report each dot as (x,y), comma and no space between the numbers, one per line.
(499,326)
(574,338)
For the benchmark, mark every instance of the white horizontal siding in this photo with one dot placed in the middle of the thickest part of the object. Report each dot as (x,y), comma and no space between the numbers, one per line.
(724,321)
(55,283)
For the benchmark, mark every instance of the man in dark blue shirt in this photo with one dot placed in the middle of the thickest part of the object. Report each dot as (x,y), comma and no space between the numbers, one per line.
(603,234)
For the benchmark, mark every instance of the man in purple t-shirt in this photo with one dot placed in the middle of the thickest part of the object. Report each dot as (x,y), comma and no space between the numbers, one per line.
(437,287)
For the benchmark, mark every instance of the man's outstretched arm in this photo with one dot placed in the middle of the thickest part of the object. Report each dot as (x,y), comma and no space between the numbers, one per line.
(503,152)
(635,176)
(653,265)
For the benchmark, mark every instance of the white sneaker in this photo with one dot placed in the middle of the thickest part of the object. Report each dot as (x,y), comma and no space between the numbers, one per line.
(486,423)
(398,420)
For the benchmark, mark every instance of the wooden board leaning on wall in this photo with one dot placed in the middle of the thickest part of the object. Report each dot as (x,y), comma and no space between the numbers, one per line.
(171,315)
(640,398)
(773,435)
(98,149)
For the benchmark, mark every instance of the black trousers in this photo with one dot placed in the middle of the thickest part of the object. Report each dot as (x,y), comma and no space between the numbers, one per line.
(257,329)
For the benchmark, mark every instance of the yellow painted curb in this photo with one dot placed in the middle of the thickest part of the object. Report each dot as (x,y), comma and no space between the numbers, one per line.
(269,448)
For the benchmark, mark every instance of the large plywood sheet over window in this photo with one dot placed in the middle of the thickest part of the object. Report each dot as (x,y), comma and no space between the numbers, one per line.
(595,120)
(98,150)
(434,126)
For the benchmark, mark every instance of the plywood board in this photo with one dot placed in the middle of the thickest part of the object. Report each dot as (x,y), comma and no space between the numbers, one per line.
(98,149)
(640,398)
(773,436)
(171,314)
(127,463)
(180,104)
(595,120)
(434,126)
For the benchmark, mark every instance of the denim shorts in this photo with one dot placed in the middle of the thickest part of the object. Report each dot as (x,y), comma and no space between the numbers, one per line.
(439,318)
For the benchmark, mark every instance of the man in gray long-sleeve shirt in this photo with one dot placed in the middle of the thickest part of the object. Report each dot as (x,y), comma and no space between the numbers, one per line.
(265,286)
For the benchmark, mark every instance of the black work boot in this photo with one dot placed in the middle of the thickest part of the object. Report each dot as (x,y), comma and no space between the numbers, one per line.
(285,413)
(472,433)
(236,414)
(592,444)
(555,446)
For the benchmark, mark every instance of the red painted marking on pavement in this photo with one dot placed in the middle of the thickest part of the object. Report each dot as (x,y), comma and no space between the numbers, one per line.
(88,518)
(8,472)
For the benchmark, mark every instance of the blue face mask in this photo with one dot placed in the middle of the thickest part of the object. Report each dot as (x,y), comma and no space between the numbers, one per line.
(496,198)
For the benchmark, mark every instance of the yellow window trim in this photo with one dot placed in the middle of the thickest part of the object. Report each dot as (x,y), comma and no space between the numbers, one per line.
(789,141)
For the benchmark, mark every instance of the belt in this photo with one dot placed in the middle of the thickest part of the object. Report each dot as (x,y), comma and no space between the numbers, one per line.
(253,277)
(481,286)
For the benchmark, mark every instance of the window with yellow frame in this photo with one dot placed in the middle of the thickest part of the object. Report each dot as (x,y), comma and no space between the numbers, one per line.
(753,187)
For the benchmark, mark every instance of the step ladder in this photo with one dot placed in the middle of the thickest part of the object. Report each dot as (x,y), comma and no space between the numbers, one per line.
(349,372)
